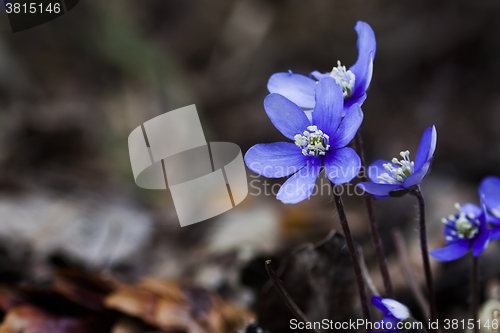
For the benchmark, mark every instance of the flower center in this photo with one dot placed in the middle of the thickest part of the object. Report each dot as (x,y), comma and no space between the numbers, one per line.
(465,225)
(313,141)
(345,78)
(403,169)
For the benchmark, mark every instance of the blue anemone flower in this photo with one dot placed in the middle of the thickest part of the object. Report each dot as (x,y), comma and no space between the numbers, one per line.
(463,231)
(394,312)
(397,178)
(354,81)
(322,140)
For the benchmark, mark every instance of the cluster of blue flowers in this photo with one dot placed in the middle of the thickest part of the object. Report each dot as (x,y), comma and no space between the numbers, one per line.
(473,227)
(321,114)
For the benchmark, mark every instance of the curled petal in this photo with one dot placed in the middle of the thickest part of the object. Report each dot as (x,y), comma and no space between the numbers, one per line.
(363,68)
(426,147)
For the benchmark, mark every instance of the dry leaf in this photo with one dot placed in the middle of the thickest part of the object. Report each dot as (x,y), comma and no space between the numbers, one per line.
(83,289)
(26,318)
(172,306)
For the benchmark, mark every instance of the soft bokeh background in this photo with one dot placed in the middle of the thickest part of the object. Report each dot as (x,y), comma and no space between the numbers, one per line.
(73,89)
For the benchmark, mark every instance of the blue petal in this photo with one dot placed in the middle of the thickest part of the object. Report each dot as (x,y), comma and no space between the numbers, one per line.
(470,208)
(417,176)
(377,168)
(452,251)
(329,105)
(426,147)
(296,87)
(285,115)
(493,219)
(342,165)
(301,185)
(319,76)
(495,233)
(378,190)
(377,302)
(481,242)
(489,190)
(348,127)
(363,68)
(350,101)
(275,160)
(398,311)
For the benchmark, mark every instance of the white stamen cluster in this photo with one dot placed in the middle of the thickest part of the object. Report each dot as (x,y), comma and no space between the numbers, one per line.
(466,226)
(345,78)
(404,169)
(313,142)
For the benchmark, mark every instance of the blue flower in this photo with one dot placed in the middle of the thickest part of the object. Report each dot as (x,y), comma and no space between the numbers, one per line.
(468,229)
(394,312)
(322,140)
(397,178)
(354,82)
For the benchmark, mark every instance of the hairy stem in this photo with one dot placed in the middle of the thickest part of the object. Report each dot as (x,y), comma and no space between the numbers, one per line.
(374,230)
(354,255)
(475,292)
(280,288)
(425,254)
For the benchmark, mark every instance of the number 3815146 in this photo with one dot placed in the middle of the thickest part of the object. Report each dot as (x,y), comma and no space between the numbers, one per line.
(32,8)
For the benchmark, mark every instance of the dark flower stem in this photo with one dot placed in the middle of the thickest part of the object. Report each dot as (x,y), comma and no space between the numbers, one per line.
(475,292)
(425,254)
(354,255)
(280,288)
(374,231)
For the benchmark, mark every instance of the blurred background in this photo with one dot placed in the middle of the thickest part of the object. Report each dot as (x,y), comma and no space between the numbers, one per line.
(72,90)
